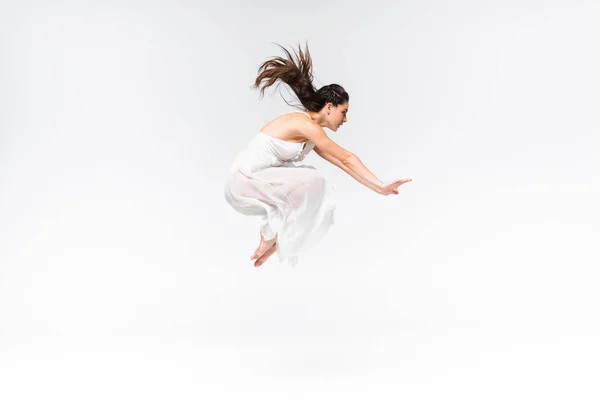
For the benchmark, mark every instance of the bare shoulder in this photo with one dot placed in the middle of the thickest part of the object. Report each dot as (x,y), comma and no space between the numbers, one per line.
(310,130)
(289,127)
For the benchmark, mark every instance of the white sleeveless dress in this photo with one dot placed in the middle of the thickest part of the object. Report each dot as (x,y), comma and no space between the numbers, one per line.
(295,201)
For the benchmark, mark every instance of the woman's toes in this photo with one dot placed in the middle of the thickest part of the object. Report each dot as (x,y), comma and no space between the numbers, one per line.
(265,256)
(263,247)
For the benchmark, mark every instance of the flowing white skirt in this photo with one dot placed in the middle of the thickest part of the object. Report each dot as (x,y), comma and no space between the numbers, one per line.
(296,202)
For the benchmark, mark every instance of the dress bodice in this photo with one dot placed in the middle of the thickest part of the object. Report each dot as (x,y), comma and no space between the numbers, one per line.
(284,150)
(266,151)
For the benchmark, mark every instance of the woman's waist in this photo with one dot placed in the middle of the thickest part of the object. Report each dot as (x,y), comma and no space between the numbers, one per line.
(251,161)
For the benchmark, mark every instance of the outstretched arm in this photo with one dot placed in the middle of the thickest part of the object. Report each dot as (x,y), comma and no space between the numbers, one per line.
(342,158)
(349,162)
(353,167)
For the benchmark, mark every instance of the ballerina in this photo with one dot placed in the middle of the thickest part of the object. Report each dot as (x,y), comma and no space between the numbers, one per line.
(267,179)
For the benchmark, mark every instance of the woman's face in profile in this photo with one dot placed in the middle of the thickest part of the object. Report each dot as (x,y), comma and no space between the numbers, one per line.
(338,117)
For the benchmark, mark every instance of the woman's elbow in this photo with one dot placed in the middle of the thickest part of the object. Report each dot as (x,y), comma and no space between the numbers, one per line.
(348,159)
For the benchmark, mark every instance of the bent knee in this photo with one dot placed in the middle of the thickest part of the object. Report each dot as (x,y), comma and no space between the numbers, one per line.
(318,181)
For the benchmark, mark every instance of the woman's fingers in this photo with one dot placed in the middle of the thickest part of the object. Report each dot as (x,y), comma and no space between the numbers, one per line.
(402,182)
(392,187)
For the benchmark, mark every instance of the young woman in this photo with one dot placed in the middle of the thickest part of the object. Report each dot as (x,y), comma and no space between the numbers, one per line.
(295,201)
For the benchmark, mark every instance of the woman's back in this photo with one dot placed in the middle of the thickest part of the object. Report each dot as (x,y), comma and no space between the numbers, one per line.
(287,126)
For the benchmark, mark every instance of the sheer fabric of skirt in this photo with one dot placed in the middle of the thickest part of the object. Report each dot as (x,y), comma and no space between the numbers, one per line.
(295,202)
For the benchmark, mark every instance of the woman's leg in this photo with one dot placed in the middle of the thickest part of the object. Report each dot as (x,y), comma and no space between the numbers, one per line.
(302,190)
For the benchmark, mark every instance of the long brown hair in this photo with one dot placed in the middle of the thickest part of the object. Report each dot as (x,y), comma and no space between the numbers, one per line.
(296,72)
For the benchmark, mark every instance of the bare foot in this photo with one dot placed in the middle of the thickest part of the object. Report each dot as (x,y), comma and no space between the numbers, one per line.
(265,256)
(263,247)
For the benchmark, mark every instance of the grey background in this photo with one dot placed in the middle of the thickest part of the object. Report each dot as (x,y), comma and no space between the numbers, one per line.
(125,275)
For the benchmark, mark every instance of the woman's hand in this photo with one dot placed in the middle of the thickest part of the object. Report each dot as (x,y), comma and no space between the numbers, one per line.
(388,188)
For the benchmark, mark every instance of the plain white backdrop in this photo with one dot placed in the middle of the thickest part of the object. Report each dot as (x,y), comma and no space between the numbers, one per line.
(124,274)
